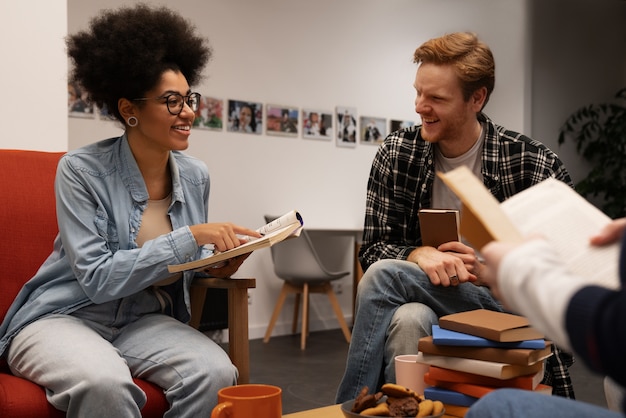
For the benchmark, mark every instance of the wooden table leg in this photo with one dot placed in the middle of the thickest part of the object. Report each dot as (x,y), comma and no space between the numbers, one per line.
(238,344)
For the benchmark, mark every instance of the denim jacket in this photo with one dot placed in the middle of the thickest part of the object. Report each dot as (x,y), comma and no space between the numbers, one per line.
(100,199)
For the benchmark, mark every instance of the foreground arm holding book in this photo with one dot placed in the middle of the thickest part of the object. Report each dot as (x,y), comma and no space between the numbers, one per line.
(587,318)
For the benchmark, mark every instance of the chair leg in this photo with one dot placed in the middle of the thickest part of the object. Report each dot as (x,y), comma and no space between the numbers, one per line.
(305,316)
(335,304)
(296,312)
(277,309)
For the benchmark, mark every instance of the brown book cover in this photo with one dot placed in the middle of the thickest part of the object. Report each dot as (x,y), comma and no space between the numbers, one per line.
(439,226)
(493,325)
(527,382)
(521,356)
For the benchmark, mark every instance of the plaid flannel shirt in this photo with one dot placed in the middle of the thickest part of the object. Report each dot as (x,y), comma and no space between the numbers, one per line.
(401,183)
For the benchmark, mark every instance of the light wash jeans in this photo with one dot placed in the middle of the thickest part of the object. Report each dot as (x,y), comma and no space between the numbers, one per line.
(87,366)
(517,403)
(387,323)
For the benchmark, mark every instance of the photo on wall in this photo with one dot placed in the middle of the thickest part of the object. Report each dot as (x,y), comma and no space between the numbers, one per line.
(245,117)
(317,124)
(396,125)
(281,120)
(210,114)
(346,126)
(373,130)
(78,104)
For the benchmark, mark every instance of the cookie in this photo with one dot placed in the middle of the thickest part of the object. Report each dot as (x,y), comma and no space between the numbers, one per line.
(407,406)
(425,408)
(365,400)
(380,410)
(396,391)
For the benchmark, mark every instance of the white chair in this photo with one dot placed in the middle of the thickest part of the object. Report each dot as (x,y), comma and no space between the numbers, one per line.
(298,264)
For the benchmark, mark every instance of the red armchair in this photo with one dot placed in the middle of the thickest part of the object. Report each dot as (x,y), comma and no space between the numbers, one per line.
(28,219)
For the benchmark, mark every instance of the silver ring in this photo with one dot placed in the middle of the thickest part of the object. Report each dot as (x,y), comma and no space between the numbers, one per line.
(454,279)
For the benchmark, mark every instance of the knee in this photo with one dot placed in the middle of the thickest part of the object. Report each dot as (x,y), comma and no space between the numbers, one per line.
(414,316)
(499,403)
(214,372)
(104,388)
(384,273)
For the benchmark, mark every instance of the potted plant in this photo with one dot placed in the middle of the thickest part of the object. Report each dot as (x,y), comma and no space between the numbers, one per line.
(599,132)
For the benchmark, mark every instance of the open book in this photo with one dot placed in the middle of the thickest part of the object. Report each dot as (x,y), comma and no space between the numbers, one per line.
(551,209)
(286,226)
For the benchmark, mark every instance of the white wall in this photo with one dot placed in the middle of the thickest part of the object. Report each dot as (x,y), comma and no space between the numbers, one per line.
(34,70)
(318,55)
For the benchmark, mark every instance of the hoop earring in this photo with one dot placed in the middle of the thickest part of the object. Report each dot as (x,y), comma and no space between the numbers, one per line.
(132,121)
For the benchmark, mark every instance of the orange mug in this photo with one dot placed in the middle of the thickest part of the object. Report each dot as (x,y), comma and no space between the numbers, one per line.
(251,400)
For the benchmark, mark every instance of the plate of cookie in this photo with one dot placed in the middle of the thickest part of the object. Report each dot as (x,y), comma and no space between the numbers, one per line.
(392,401)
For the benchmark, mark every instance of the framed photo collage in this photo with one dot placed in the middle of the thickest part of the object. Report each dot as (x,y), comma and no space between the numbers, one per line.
(342,124)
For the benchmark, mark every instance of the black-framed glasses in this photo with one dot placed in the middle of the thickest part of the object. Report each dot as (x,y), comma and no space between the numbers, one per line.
(175,102)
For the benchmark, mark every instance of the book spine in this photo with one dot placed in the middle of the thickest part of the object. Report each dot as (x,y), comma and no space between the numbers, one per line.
(527,382)
(448,396)
(443,336)
(522,357)
(480,367)
(470,389)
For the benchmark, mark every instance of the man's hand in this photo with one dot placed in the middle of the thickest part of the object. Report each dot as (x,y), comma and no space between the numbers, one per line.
(450,264)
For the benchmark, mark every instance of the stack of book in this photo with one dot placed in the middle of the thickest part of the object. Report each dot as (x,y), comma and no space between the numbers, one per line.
(473,353)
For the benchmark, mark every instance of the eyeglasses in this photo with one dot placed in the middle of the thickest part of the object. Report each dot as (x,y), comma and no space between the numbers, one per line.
(175,102)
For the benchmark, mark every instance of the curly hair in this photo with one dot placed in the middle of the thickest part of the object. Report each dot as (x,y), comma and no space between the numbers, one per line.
(471,58)
(126,51)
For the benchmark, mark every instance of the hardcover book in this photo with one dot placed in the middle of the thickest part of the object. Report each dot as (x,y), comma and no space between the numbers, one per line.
(493,325)
(521,356)
(455,411)
(476,390)
(439,226)
(480,367)
(527,382)
(448,396)
(448,338)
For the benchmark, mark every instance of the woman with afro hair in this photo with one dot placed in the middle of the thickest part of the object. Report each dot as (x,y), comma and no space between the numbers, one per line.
(103,308)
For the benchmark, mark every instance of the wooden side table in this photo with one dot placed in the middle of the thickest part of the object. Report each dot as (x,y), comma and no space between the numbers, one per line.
(332,411)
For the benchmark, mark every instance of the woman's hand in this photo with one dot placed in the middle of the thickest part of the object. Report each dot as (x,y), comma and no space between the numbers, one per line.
(224,236)
(226,268)
(610,233)
(494,252)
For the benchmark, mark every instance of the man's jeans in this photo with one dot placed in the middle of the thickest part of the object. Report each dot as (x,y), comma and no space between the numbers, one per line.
(382,330)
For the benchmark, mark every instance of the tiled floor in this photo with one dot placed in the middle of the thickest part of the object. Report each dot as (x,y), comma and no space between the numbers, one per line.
(309,378)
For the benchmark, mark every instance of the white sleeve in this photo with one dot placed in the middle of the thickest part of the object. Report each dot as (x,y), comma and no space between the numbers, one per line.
(534,283)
